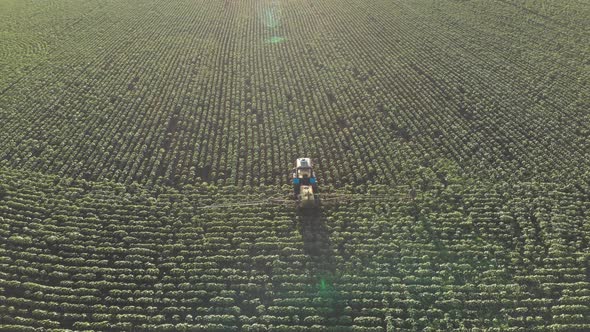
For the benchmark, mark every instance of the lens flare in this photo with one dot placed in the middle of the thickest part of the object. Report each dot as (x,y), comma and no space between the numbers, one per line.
(271,18)
(275,40)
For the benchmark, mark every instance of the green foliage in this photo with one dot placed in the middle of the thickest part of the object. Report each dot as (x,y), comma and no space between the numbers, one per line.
(119,120)
(402,101)
(400,263)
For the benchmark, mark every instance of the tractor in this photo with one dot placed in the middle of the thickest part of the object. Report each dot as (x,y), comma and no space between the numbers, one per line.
(305,185)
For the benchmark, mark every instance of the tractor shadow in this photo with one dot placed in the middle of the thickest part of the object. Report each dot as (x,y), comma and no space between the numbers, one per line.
(316,241)
(322,266)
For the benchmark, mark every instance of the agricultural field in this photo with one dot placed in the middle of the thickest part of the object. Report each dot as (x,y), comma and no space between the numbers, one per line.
(463,126)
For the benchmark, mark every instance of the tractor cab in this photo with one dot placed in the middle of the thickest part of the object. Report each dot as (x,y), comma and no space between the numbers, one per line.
(305,186)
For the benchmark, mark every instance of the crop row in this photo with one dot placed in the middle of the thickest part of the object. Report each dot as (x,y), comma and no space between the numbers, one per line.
(85,255)
(171,94)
